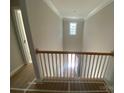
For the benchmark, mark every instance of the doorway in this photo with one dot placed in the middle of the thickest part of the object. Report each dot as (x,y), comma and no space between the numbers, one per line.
(22,35)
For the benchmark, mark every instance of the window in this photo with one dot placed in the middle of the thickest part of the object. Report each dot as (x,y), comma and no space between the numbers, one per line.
(73,27)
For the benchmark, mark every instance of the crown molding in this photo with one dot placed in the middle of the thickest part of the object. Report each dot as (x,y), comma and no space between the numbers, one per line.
(65,17)
(51,6)
(98,8)
(91,13)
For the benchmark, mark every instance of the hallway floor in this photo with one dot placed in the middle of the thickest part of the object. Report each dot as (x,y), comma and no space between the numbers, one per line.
(22,79)
(24,82)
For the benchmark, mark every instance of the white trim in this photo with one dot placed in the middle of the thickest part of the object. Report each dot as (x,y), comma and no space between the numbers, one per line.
(15,70)
(52,6)
(93,12)
(98,8)
(29,85)
(18,89)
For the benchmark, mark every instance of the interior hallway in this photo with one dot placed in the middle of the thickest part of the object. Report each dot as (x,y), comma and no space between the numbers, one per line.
(42,23)
(22,79)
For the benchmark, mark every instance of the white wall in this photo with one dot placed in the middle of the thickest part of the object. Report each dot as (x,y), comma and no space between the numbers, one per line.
(72,42)
(16,60)
(99,31)
(46,26)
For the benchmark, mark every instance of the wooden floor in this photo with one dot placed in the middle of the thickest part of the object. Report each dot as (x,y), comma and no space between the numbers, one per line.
(24,82)
(23,77)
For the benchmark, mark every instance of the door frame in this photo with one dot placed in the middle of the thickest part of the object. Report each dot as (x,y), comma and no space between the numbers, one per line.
(17,33)
(22,36)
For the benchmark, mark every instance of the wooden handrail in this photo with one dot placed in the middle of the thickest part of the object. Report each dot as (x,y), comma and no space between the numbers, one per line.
(75,52)
(81,64)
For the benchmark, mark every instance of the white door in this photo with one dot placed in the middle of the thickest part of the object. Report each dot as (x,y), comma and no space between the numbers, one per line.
(22,35)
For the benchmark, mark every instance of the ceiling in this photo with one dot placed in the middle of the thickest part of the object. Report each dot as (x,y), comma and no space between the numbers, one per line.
(77,8)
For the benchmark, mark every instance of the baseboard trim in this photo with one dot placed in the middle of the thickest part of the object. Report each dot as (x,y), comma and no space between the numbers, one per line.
(12,73)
